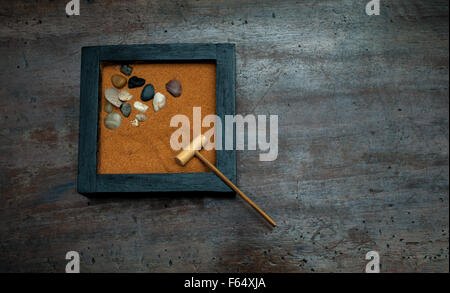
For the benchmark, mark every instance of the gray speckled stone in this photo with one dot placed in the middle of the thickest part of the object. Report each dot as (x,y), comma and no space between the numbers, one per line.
(125,69)
(125,109)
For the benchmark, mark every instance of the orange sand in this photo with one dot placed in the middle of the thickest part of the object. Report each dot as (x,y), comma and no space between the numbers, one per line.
(146,148)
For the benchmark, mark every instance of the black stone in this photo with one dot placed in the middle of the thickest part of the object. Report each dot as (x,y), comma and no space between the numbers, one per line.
(125,109)
(125,69)
(135,82)
(148,92)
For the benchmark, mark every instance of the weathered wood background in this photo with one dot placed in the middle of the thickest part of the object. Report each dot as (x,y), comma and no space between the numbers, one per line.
(363,106)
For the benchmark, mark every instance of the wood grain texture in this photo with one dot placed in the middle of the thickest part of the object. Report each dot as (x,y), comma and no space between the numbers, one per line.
(363,108)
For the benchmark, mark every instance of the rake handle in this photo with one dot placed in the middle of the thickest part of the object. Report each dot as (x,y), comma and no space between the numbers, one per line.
(235,188)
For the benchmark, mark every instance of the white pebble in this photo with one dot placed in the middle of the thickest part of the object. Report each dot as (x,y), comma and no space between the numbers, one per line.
(135,122)
(159,101)
(124,96)
(140,107)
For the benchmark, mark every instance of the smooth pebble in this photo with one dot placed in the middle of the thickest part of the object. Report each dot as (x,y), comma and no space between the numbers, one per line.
(148,92)
(159,101)
(124,96)
(108,107)
(140,106)
(113,121)
(141,117)
(118,81)
(135,82)
(112,96)
(174,87)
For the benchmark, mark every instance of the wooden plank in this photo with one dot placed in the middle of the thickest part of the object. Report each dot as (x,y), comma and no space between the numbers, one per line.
(158,52)
(87,149)
(225,93)
(150,183)
(363,107)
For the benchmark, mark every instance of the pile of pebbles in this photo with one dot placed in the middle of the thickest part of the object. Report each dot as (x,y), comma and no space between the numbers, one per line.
(118,98)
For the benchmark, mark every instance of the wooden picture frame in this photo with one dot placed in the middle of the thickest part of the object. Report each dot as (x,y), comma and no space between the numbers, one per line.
(91,183)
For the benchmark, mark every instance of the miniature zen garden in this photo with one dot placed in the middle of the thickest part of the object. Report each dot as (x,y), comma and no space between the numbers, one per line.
(118,97)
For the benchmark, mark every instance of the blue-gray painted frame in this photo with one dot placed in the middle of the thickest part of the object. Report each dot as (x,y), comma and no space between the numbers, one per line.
(89,182)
